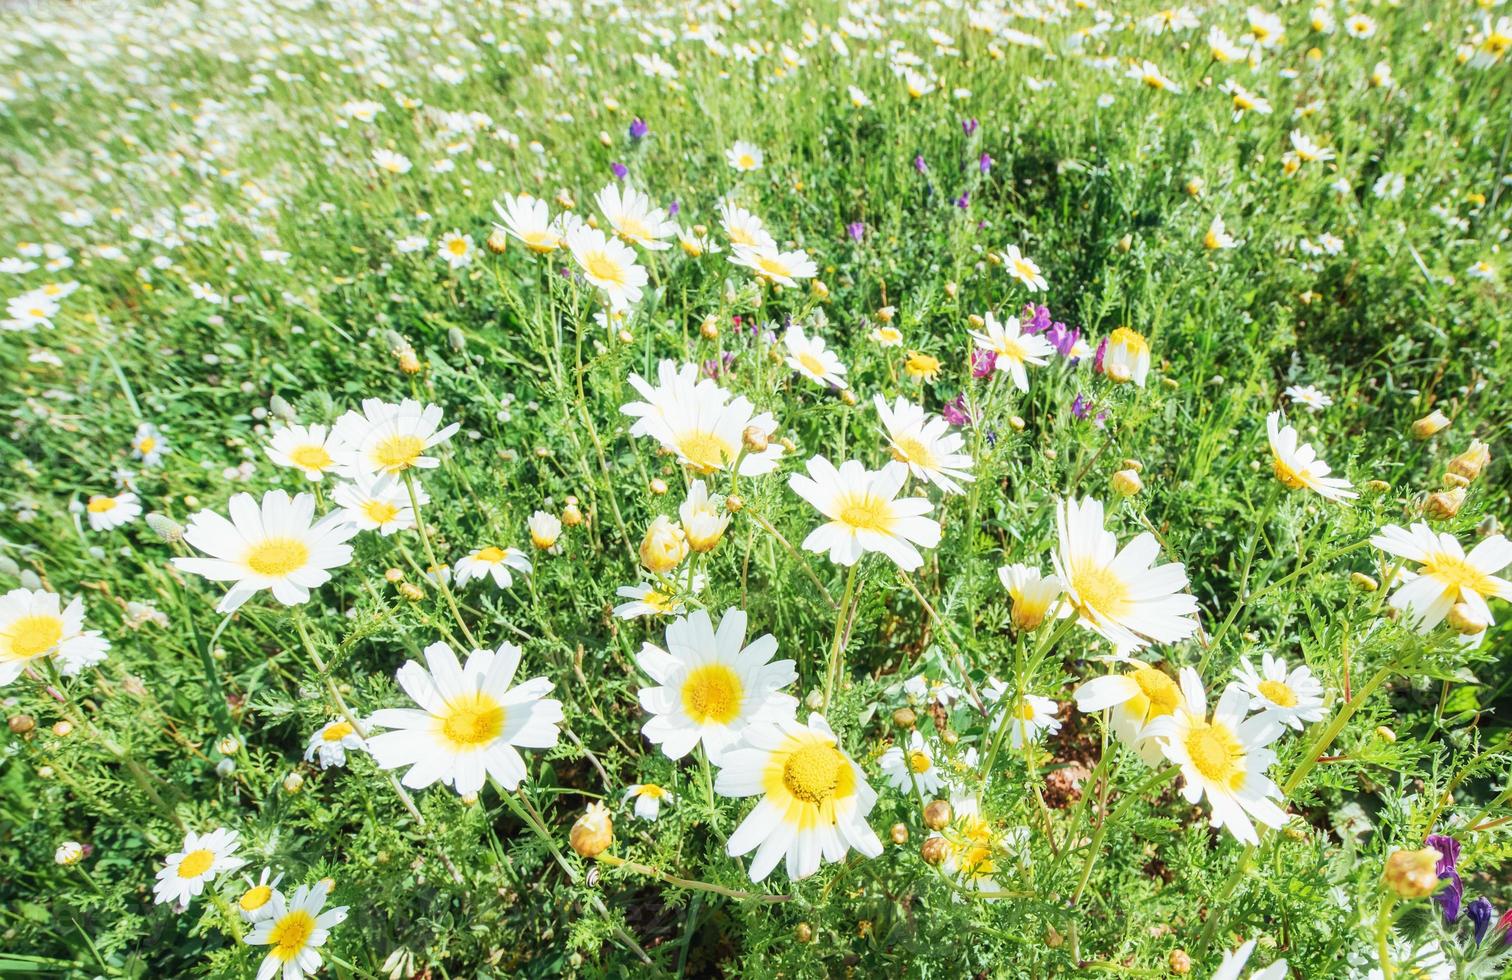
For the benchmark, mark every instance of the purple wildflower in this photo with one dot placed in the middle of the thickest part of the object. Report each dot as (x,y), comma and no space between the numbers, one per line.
(954,412)
(1097,361)
(1063,338)
(964,201)
(1448,849)
(968,126)
(856,230)
(984,163)
(619,170)
(1035,319)
(638,128)
(920,165)
(1480,912)
(983,362)
(1448,897)
(673,208)
(722,365)
(1080,406)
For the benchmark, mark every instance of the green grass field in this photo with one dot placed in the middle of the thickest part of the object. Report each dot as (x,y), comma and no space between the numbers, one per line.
(747,489)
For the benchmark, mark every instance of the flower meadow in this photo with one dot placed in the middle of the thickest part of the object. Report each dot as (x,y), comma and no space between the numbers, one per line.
(517,488)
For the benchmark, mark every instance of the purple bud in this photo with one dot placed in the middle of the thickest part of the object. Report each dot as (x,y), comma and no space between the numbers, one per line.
(1063,338)
(673,208)
(964,201)
(983,362)
(1449,850)
(920,165)
(954,411)
(1097,361)
(1480,912)
(984,163)
(856,230)
(968,126)
(638,128)
(1448,898)
(619,170)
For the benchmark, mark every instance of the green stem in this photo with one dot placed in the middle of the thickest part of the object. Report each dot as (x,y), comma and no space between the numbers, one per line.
(690,883)
(837,646)
(430,556)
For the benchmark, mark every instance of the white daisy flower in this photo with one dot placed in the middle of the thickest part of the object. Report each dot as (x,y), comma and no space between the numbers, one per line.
(710,686)
(313,450)
(634,218)
(544,529)
(774,265)
(389,438)
(1125,356)
(814,798)
(649,798)
(1020,267)
(1013,348)
(1034,595)
(256,903)
(34,624)
(148,445)
(925,443)
(1292,698)
(1223,757)
(744,156)
(268,545)
(456,249)
(809,357)
(529,220)
(742,227)
(295,929)
(203,858)
(378,503)
(1296,464)
(499,564)
(648,599)
(1446,575)
(1234,962)
(108,513)
(1030,716)
(469,721)
(332,742)
(1137,698)
(914,767)
(696,419)
(1122,596)
(704,518)
(608,264)
(1309,396)
(865,513)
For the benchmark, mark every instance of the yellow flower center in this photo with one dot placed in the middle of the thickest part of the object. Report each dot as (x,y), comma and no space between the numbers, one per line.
(1028,270)
(712,692)
(704,451)
(1158,694)
(740,235)
(490,554)
(1024,711)
(196,863)
(1100,590)
(652,790)
(922,365)
(866,512)
(290,934)
(910,449)
(1217,754)
(1456,574)
(1130,340)
(255,898)
(379,511)
(633,228)
(540,240)
(745,161)
(311,457)
(1288,476)
(101,505)
(918,761)
(457,246)
(31,636)
(472,721)
(1278,693)
(818,772)
(1497,43)
(812,364)
(336,731)
(278,556)
(398,452)
(600,266)
(146,445)
(773,266)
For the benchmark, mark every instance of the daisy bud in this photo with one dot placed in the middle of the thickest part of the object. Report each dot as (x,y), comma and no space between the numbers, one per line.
(20,724)
(755,440)
(1385,734)
(815,700)
(45,772)
(1488,526)
(934,850)
(225,768)
(1445,503)
(409,363)
(709,329)
(281,408)
(1194,187)
(1466,621)
(900,833)
(848,396)
(803,932)
(469,799)
(951,289)
(70,852)
(1468,464)
(1126,483)
(1125,243)
(170,530)
(544,529)
(227,745)
(572,515)
(605,138)
(664,546)
(626,337)
(1053,938)
(293,783)
(734,504)
(905,718)
(8,566)
(787,444)
(658,486)
(1180,962)
(937,814)
(949,736)
(1413,874)
(63,729)
(820,289)
(593,832)
(976,321)
(1377,486)
(1430,425)
(1363,582)
(456,339)
(394,576)
(497,241)
(1118,373)
(411,591)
